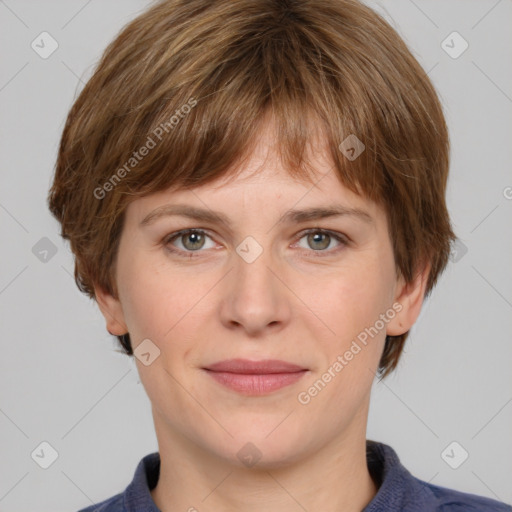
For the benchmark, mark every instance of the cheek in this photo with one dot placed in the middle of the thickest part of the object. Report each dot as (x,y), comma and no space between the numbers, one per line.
(155,301)
(349,300)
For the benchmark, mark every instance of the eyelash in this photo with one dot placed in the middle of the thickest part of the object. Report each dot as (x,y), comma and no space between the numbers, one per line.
(343,240)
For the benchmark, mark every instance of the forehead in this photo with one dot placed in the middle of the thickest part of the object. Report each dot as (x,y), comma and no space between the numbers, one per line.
(261,182)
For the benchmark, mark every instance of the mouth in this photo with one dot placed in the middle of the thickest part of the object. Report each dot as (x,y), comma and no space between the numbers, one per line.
(255,377)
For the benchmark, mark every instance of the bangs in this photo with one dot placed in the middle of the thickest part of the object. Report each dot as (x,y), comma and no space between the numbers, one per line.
(200,118)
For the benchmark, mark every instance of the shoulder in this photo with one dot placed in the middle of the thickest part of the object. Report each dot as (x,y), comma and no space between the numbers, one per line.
(450,500)
(114,504)
(398,489)
(137,496)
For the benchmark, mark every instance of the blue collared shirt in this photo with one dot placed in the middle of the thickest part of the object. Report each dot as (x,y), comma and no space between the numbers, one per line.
(398,490)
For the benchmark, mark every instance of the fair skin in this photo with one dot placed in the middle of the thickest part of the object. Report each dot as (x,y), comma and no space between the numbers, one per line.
(303,300)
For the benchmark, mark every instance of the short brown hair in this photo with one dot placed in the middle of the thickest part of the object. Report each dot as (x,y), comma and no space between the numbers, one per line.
(191,80)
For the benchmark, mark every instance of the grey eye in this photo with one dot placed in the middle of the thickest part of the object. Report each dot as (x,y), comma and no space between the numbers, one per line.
(193,241)
(320,240)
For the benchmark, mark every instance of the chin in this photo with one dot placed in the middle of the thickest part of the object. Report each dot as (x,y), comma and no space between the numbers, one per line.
(256,449)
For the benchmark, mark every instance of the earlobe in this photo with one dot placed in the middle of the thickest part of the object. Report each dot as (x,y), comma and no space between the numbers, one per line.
(410,297)
(112,311)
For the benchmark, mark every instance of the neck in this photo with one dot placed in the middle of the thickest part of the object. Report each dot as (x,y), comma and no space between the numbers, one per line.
(333,478)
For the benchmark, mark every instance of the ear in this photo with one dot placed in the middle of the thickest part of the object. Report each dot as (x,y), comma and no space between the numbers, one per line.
(410,296)
(112,311)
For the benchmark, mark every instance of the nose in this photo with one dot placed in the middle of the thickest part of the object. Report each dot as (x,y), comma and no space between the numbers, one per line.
(256,300)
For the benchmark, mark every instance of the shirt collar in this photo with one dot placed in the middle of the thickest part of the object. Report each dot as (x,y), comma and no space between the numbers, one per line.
(397,488)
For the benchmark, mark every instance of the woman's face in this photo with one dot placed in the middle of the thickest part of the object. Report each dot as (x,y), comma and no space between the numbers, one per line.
(275,280)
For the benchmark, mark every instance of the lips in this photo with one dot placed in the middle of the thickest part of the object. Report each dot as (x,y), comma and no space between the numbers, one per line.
(255,377)
(245,366)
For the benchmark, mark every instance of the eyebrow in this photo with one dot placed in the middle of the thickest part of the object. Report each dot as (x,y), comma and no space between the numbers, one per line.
(291,216)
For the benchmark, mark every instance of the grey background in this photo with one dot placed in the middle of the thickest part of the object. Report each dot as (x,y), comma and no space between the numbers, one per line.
(61,378)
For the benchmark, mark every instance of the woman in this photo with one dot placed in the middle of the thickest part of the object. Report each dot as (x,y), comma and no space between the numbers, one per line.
(254,192)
